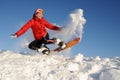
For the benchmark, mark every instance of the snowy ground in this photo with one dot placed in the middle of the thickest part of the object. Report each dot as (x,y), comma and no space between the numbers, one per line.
(16,66)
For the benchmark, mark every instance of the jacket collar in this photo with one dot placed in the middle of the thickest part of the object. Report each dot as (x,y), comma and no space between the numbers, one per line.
(37,19)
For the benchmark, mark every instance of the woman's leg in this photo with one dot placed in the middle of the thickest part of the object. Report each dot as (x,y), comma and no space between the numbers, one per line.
(37,45)
(47,40)
(56,41)
(34,45)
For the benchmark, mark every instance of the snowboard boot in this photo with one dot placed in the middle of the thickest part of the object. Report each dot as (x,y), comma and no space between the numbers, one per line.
(60,43)
(44,50)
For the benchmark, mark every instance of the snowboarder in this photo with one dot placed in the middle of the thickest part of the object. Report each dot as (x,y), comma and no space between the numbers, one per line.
(38,24)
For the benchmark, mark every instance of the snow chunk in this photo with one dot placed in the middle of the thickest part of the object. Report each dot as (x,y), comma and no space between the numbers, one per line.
(112,74)
(73,67)
(79,58)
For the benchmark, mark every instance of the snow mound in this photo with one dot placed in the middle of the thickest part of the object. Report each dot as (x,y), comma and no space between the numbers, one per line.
(16,66)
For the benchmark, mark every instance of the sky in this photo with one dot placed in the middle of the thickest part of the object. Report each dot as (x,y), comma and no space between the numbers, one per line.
(101,31)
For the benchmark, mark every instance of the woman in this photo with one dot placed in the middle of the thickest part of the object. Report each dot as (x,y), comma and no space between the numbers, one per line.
(38,24)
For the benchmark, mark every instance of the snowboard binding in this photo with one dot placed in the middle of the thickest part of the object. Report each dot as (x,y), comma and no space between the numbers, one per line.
(60,43)
(44,49)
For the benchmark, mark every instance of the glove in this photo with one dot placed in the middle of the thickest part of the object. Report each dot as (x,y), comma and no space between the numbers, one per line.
(56,28)
(13,36)
(62,28)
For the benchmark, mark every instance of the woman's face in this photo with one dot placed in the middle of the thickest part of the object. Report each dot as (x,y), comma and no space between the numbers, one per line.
(39,15)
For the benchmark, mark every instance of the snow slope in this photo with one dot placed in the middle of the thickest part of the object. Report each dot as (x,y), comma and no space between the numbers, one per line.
(17,66)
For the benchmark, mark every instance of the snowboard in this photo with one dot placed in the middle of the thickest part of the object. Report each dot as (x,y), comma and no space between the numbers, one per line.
(68,44)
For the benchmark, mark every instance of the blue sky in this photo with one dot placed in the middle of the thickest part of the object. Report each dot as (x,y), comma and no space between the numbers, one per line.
(101,32)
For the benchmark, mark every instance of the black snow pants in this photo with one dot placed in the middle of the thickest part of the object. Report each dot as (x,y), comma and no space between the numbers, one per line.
(36,44)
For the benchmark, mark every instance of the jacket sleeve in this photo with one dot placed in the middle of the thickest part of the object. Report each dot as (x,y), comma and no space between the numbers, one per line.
(24,28)
(51,26)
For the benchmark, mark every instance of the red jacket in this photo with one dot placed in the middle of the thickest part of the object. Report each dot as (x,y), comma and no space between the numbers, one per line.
(38,27)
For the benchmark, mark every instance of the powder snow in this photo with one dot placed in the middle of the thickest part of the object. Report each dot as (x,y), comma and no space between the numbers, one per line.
(20,66)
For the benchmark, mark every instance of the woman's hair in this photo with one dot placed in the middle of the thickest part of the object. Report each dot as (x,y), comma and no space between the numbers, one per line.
(34,15)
